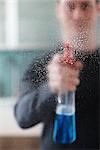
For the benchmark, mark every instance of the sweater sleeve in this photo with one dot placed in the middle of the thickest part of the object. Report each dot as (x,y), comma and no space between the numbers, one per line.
(36,101)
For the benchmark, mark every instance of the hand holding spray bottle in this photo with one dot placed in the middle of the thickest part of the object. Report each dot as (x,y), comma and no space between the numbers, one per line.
(64,125)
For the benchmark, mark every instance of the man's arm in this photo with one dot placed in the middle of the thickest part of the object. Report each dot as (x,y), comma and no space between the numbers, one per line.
(36,101)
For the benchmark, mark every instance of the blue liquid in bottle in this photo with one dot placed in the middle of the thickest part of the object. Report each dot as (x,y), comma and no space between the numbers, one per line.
(65,125)
(64,129)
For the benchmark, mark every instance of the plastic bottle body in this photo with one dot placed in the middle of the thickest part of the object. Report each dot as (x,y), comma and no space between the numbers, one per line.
(64,125)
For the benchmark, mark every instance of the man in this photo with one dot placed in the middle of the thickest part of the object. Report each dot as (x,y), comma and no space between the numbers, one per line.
(45,78)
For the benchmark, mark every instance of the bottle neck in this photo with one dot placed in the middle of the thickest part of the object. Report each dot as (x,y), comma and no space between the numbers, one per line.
(67,98)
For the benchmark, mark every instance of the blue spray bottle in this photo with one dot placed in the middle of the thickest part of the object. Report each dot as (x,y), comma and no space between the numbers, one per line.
(64,124)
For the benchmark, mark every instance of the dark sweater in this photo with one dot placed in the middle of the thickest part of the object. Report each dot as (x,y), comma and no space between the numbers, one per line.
(37,103)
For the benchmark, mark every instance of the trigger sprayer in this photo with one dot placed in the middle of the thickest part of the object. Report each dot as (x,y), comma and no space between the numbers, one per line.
(64,124)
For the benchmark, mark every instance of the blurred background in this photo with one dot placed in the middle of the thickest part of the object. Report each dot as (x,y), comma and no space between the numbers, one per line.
(28,28)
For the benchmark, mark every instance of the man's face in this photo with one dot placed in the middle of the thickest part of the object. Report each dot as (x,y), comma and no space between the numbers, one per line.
(77,15)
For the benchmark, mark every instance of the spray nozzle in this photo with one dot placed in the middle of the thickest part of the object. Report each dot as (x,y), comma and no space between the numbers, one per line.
(68,54)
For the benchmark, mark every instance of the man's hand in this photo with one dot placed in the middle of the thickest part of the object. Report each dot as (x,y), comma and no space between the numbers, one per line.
(63,77)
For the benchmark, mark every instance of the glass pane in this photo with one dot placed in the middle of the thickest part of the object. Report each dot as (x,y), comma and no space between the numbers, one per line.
(12,67)
(37,23)
(2,22)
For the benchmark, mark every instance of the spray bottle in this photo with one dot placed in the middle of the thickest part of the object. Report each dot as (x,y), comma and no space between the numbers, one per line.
(64,131)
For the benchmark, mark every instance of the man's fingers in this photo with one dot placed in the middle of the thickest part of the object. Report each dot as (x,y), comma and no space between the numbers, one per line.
(75,81)
(78,65)
(58,58)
